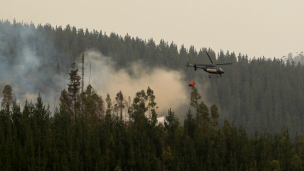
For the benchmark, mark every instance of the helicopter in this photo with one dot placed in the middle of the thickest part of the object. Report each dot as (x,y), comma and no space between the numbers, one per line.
(213,71)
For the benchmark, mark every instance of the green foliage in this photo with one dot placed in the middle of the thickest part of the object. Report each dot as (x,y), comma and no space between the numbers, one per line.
(194,98)
(275,165)
(214,115)
(7,96)
(171,123)
(92,104)
(120,103)
(254,94)
(33,139)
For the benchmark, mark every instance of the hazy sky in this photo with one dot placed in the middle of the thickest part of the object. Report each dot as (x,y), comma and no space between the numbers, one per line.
(272,28)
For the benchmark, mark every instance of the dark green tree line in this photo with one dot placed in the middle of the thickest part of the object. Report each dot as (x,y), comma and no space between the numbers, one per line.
(33,139)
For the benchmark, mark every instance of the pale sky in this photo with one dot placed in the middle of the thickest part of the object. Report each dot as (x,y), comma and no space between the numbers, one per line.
(270,28)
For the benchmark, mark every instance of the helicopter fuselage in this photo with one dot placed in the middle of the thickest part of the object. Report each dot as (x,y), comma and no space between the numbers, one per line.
(212,70)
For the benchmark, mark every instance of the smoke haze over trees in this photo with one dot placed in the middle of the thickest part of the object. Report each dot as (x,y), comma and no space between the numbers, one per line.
(32,139)
(257,93)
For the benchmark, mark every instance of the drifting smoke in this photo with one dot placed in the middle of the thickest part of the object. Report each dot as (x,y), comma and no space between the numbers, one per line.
(168,86)
(30,72)
(25,71)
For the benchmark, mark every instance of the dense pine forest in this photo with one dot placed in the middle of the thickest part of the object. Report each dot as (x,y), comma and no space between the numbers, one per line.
(253,122)
(79,137)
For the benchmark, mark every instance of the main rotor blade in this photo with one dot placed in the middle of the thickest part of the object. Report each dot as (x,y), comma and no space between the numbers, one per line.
(225,64)
(204,64)
(209,57)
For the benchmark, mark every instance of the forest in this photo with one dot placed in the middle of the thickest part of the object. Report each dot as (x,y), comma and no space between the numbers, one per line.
(253,122)
(79,137)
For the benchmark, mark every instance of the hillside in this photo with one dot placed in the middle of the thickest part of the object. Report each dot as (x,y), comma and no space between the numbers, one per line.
(255,93)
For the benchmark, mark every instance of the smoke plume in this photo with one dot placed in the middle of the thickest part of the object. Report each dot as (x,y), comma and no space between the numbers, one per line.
(168,85)
(26,71)
(30,72)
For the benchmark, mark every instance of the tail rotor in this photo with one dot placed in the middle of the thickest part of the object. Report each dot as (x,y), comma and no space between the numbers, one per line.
(188,65)
(194,66)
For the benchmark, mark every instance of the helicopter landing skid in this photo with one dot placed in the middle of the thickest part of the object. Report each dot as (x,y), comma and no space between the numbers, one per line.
(214,76)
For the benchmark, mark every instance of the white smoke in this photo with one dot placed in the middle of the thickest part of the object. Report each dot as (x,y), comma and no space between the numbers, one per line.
(168,85)
(27,72)
(30,72)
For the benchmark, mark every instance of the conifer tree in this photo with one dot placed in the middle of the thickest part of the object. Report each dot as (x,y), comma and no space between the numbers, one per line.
(93,103)
(214,115)
(189,124)
(151,98)
(120,103)
(7,96)
(74,87)
(195,97)
(109,104)
(82,72)
(203,113)
(171,123)
(66,103)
